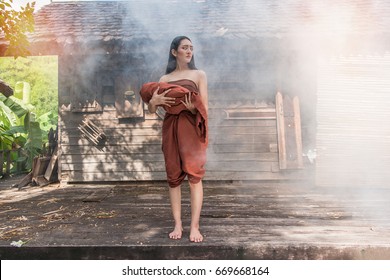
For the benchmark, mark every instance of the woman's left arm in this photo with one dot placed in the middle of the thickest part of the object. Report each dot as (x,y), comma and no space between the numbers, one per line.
(203,88)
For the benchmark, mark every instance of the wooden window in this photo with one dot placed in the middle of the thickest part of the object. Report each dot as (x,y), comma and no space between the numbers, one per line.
(85,94)
(107,86)
(128,102)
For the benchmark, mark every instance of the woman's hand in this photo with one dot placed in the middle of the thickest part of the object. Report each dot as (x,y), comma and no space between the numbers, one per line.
(161,99)
(187,102)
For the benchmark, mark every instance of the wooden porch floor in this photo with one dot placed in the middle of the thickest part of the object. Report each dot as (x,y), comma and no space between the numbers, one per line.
(240,220)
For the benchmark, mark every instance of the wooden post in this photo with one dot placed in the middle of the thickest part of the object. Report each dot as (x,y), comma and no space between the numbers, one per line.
(298,131)
(289,132)
(52,167)
(281,131)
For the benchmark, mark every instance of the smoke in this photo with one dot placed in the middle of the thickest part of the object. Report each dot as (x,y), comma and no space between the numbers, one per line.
(252,49)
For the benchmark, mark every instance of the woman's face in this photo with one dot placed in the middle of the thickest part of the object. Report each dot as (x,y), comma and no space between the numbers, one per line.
(184,51)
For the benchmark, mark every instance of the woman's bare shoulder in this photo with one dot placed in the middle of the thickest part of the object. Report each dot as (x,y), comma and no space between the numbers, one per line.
(164,78)
(201,75)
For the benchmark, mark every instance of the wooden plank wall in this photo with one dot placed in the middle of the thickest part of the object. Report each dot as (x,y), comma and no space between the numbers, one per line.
(243,132)
(240,148)
(243,144)
(132,150)
(353,133)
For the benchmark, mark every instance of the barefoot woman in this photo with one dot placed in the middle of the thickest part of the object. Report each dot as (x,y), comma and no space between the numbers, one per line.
(184,151)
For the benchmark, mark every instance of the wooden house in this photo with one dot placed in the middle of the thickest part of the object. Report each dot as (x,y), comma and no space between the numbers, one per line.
(275,68)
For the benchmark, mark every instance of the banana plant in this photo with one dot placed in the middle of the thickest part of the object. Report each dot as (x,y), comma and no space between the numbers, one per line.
(19,129)
(7,120)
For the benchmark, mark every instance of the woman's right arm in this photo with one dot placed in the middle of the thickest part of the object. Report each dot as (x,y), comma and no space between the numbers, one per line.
(152,106)
(160,100)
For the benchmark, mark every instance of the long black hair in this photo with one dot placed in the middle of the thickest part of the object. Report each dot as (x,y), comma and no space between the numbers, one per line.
(172,59)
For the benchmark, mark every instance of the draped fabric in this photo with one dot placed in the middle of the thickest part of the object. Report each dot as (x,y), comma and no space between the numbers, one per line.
(184,135)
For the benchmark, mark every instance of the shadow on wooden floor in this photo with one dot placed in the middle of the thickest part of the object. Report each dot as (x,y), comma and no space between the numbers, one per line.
(240,220)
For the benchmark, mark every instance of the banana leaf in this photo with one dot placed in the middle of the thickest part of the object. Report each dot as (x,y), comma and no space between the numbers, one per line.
(7,118)
(14,130)
(23,91)
(35,135)
(17,106)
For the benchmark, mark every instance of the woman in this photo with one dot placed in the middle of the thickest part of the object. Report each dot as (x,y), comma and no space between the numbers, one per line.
(184,151)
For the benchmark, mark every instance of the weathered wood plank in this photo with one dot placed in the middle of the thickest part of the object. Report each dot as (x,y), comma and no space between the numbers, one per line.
(52,168)
(298,132)
(154,128)
(281,131)
(156,148)
(79,176)
(115,149)
(292,126)
(126,157)
(156,139)
(243,139)
(289,132)
(250,113)
(104,167)
(67,134)
(242,130)
(243,148)
(141,165)
(70,133)
(286,217)
(242,123)
(72,122)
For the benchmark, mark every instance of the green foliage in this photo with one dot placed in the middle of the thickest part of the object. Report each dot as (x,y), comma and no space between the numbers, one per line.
(28,136)
(33,146)
(16,106)
(7,119)
(15,25)
(41,73)
(27,117)
(22,91)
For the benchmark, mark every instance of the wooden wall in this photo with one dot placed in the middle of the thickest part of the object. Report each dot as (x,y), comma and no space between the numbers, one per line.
(240,148)
(353,134)
(101,139)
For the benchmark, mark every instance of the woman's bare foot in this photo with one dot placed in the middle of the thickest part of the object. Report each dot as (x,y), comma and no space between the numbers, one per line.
(176,233)
(195,235)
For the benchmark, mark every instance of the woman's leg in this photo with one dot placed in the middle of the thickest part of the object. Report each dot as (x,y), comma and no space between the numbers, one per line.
(196,208)
(175,196)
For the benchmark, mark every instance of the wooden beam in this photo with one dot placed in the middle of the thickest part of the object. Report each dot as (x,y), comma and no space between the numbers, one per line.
(281,131)
(298,131)
(289,132)
(52,167)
